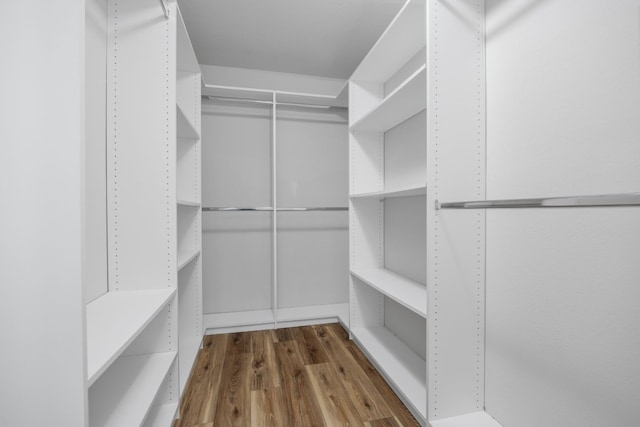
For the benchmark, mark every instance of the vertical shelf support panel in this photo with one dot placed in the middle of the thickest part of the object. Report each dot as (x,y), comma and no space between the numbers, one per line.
(456,241)
(274,203)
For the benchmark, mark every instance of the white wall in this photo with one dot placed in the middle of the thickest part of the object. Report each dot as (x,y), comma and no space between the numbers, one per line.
(563,102)
(236,171)
(312,171)
(41,176)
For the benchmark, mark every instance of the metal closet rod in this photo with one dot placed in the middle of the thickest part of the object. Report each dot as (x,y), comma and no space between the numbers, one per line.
(623,199)
(260,101)
(270,209)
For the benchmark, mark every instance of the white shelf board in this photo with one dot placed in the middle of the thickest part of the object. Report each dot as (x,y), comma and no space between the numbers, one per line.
(401,366)
(161,415)
(114,320)
(384,194)
(186,57)
(292,314)
(239,318)
(188,203)
(188,351)
(402,39)
(185,129)
(124,397)
(185,258)
(474,419)
(404,102)
(406,292)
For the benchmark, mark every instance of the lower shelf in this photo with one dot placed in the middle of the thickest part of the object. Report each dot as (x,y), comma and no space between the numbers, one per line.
(123,395)
(401,366)
(186,359)
(475,419)
(162,415)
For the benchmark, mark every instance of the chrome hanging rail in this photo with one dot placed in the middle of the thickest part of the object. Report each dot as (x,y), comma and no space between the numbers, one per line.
(270,209)
(624,199)
(265,102)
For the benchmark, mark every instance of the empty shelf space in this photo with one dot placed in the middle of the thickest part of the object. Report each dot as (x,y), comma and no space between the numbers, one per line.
(407,100)
(474,419)
(186,57)
(161,415)
(403,368)
(186,257)
(125,396)
(185,128)
(407,192)
(188,203)
(404,291)
(114,320)
(188,351)
(402,39)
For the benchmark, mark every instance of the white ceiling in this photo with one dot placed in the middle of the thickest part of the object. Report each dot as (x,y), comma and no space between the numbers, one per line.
(326,38)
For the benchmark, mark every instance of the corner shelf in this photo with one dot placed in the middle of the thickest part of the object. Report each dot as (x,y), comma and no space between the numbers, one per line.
(384,194)
(406,292)
(109,335)
(404,102)
(126,395)
(400,365)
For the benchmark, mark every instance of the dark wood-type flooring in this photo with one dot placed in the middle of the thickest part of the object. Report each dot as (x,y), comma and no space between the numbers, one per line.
(291,377)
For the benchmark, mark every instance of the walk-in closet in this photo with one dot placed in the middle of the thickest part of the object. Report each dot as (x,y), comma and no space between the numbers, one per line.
(320,212)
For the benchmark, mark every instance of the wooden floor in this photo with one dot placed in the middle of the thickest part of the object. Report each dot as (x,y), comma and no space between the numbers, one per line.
(292,377)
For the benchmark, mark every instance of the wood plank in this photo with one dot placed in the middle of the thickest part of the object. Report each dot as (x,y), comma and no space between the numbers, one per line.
(386,422)
(302,408)
(198,403)
(393,401)
(268,408)
(369,402)
(337,408)
(264,363)
(233,404)
(285,334)
(310,346)
(277,378)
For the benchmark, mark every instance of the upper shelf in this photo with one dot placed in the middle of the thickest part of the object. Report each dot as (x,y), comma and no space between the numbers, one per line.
(108,335)
(404,102)
(384,194)
(186,57)
(404,37)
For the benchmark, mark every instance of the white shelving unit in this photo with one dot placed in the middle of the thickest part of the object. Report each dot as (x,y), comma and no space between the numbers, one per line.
(410,294)
(108,335)
(131,346)
(188,204)
(400,365)
(136,380)
(388,297)
(405,101)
